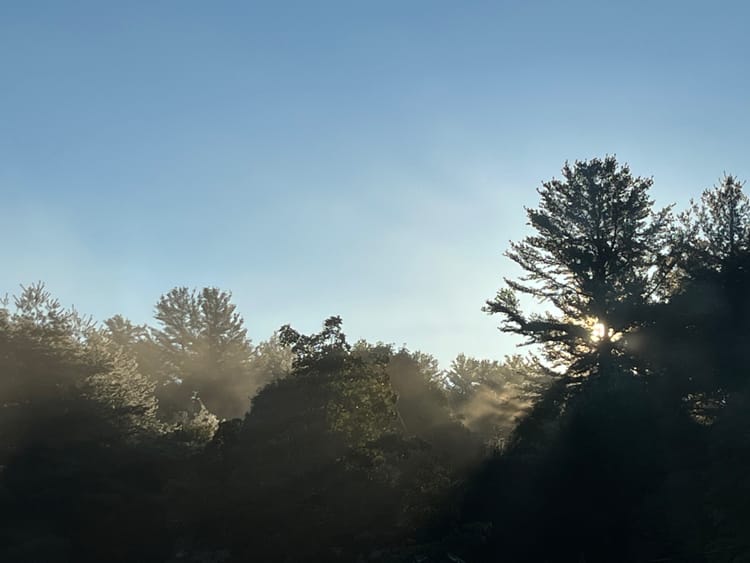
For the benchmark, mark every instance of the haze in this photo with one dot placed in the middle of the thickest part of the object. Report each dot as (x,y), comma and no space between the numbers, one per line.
(368,160)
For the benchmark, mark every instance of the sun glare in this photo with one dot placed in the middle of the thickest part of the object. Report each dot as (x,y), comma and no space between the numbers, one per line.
(600,331)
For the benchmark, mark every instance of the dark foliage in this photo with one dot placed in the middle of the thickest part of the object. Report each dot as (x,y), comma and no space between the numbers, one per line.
(591,259)
(187,443)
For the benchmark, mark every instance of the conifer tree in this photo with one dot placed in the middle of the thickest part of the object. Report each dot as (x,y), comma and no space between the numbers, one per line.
(206,351)
(718,226)
(598,254)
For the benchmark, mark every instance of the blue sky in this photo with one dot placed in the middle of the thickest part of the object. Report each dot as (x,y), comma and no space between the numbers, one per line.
(367,159)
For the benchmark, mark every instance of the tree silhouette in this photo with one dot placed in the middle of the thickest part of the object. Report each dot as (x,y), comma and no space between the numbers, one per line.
(597,255)
(716,276)
(719,226)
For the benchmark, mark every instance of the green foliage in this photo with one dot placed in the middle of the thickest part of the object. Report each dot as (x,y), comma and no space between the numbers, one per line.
(327,440)
(205,353)
(361,402)
(271,360)
(325,350)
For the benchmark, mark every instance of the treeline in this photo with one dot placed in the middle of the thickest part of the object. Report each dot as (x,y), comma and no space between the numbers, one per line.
(628,439)
(183,441)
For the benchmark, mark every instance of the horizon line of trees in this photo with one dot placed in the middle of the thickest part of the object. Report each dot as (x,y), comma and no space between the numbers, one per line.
(626,441)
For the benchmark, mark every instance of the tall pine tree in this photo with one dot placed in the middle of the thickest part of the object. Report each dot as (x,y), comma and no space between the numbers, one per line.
(598,254)
(205,350)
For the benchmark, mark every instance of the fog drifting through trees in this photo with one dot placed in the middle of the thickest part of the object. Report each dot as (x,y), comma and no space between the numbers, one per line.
(624,439)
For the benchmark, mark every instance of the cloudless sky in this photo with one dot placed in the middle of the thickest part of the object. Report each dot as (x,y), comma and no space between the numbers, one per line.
(363,158)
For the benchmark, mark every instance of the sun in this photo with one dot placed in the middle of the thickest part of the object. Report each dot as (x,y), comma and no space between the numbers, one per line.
(599,331)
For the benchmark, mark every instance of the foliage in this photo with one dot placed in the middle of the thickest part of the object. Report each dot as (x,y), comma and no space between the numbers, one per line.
(717,228)
(362,403)
(328,440)
(597,242)
(490,396)
(128,442)
(205,350)
(77,421)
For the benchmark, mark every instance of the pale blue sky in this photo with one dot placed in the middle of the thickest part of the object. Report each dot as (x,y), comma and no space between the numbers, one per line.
(367,159)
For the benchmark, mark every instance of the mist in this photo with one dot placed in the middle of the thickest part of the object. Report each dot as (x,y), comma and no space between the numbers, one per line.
(181,439)
(374,282)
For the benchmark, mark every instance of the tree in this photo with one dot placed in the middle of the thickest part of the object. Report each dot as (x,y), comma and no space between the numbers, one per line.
(360,402)
(719,226)
(206,352)
(137,342)
(55,362)
(597,256)
(271,360)
(715,265)
(489,396)
(79,439)
(321,468)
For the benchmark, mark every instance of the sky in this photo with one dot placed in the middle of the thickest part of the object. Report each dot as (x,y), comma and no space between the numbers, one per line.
(369,159)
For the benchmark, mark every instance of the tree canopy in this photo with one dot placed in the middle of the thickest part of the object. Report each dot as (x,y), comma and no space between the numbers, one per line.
(597,255)
(205,350)
(183,442)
